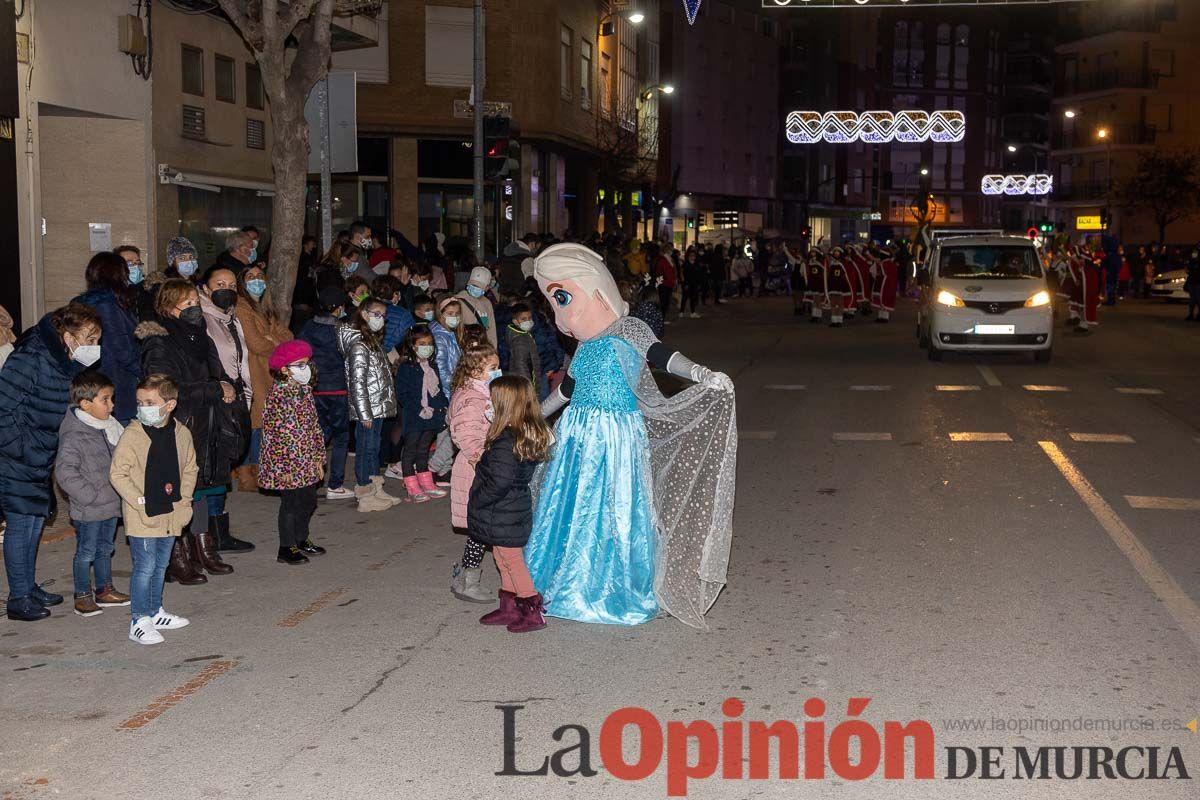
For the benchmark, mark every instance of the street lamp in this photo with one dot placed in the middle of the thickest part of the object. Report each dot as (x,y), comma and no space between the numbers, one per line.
(1012,148)
(636,17)
(663,88)
(1069,113)
(608,27)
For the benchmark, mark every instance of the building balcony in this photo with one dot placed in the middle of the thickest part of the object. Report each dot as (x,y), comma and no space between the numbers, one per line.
(1076,192)
(1118,135)
(1107,80)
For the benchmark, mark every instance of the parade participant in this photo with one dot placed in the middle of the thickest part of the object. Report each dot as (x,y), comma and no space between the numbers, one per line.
(1071,283)
(796,278)
(633,514)
(858,268)
(838,287)
(814,286)
(1089,276)
(500,508)
(884,285)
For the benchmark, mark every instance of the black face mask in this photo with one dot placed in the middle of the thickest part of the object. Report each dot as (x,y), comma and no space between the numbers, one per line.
(224,298)
(192,315)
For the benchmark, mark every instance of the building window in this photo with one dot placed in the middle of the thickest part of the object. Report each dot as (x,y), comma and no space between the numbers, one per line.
(962,55)
(254,87)
(226,80)
(585,75)
(193,70)
(605,85)
(564,62)
(900,55)
(449,46)
(942,75)
(627,90)
(916,56)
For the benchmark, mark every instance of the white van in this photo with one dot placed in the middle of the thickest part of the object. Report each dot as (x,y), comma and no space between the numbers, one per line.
(985,293)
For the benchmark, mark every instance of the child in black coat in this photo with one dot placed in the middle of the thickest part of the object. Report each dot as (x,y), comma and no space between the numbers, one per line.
(423,407)
(500,508)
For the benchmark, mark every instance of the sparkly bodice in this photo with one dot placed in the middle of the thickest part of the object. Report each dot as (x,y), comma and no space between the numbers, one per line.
(600,381)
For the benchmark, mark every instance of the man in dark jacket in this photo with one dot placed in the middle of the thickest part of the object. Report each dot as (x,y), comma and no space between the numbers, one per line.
(516,266)
(240,252)
(330,392)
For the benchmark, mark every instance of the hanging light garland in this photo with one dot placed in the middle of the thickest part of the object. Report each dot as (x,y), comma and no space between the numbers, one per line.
(1039,183)
(875,127)
(691,8)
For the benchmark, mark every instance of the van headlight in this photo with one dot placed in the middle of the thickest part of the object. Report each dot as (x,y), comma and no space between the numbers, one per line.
(1042,298)
(950,299)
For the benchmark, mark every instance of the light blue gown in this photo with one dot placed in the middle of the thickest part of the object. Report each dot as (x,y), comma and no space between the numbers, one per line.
(592,549)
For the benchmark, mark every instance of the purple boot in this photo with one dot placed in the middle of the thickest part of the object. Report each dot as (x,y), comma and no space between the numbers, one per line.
(532,619)
(506,613)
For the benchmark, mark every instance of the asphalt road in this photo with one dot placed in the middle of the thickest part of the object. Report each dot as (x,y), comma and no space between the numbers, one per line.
(1000,590)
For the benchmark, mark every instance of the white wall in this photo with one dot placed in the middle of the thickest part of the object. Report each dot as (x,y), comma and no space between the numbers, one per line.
(77,69)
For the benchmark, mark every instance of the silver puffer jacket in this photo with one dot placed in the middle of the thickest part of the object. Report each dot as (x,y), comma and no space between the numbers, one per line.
(369,381)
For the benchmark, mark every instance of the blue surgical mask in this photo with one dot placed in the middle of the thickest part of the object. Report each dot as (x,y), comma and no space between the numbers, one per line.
(475,291)
(252,256)
(494,374)
(257,287)
(186,268)
(150,415)
(135,274)
(424,351)
(427,316)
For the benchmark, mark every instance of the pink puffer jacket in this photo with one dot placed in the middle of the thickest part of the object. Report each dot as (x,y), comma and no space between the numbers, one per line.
(468,429)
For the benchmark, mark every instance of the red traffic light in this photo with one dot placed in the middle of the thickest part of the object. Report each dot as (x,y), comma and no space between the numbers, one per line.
(498,149)
(1032,233)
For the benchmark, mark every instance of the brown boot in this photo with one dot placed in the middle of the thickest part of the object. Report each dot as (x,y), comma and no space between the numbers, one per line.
(107,596)
(245,478)
(180,568)
(85,606)
(205,547)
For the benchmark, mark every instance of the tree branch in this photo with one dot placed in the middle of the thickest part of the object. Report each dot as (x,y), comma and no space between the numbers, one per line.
(247,26)
(298,10)
(312,56)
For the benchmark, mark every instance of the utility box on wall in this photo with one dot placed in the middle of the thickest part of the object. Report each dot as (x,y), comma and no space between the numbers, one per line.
(131,37)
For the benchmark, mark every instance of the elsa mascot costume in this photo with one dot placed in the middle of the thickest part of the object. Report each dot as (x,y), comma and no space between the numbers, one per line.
(633,512)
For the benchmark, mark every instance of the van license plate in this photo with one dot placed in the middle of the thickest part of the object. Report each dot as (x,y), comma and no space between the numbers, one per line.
(984,330)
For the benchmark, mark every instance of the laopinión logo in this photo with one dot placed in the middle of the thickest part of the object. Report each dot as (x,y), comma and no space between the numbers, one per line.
(738,749)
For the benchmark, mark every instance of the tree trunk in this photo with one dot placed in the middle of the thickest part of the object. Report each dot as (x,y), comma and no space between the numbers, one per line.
(289,157)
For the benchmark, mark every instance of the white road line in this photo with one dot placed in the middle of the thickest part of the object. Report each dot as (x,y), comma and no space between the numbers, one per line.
(975,436)
(870,388)
(761,435)
(988,375)
(862,437)
(946,387)
(786,387)
(1178,604)
(1106,438)
(1163,503)
(1041,387)
(1137,390)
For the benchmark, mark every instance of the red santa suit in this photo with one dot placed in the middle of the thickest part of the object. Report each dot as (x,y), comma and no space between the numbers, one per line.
(883,288)
(1091,284)
(838,286)
(860,275)
(814,291)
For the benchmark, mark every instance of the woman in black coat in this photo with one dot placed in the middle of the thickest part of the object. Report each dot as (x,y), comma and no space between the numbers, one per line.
(176,343)
(34,395)
(111,295)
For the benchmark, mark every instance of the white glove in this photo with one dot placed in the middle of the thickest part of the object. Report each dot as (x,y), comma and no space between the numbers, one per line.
(699,373)
(719,381)
(658,281)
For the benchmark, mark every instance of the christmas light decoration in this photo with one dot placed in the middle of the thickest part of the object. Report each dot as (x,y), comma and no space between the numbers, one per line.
(875,127)
(1039,183)
(691,8)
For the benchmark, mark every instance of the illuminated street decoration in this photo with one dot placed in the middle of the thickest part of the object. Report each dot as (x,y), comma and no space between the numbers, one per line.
(875,127)
(1017,184)
(691,8)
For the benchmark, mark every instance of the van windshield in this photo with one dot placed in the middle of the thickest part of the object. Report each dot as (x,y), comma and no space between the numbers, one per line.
(989,262)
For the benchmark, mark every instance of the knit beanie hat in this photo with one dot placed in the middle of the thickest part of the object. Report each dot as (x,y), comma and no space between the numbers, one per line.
(288,352)
(177,247)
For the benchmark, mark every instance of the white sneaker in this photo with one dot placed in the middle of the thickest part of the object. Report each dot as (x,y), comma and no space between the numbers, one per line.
(339,494)
(142,631)
(168,622)
(393,473)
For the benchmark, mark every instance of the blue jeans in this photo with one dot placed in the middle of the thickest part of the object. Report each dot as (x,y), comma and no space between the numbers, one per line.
(93,548)
(252,454)
(216,506)
(366,451)
(339,448)
(20,552)
(150,556)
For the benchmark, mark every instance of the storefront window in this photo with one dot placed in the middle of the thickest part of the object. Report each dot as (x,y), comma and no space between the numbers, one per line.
(206,218)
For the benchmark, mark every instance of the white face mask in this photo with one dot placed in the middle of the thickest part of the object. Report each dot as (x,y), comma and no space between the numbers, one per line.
(424,351)
(526,325)
(423,285)
(301,374)
(150,415)
(375,323)
(86,354)
(451,322)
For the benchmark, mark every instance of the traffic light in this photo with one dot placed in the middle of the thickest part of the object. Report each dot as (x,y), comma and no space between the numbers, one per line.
(1104,219)
(806,232)
(691,222)
(501,153)
(1046,226)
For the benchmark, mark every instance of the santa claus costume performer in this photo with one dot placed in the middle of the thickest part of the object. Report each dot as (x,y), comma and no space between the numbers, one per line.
(883,289)
(859,266)
(814,285)
(838,287)
(1090,278)
(1073,285)
(633,512)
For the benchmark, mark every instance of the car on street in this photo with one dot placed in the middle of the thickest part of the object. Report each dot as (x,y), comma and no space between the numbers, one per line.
(985,293)
(1169,285)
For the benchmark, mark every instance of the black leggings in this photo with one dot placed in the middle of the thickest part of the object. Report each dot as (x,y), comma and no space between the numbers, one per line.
(691,295)
(296,507)
(664,299)
(414,457)
(473,552)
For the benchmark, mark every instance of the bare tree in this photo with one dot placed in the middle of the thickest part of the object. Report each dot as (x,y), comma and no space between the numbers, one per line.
(1165,186)
(290,40)
(627,160)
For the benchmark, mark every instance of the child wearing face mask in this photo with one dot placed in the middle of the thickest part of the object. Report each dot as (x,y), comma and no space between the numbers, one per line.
(446,328)
(293,449)
(523,357)
(423,405)
(470,417)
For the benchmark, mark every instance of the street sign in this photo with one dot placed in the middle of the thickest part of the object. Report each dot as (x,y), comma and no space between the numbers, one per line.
(463,109)
(1090,222)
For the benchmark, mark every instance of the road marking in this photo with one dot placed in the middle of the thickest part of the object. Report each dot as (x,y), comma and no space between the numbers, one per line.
(160,706)
(862,437)
(760,435)
(1163,503)
(1137,390)
(1040,387)
(945,387)
(870,388)
(1105,438)
(786,387)
(988,375)
(1178,604)
(974,436)
(292,620)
